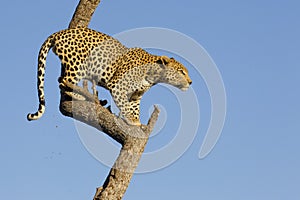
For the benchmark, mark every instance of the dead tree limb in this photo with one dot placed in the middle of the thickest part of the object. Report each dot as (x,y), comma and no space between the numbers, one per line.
(132,138)
(83,13)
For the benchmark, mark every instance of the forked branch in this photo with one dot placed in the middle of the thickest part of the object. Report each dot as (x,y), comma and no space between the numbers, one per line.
(132,138)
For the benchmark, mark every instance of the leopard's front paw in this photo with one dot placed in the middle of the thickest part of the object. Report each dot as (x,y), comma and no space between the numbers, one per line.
(134,122)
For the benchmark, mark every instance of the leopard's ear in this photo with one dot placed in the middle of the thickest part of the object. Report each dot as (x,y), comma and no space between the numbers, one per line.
(163,60)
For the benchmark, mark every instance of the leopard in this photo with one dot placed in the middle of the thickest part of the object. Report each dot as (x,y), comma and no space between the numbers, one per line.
(127,73)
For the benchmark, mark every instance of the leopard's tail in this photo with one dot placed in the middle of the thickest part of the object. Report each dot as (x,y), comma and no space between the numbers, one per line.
(47,45)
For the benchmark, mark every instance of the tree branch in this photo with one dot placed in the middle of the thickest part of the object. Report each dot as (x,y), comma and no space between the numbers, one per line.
(83,13)
(132,138)
(92,113)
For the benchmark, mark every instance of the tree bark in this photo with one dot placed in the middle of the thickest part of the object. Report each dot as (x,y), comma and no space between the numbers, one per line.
(83,13)
(132,138)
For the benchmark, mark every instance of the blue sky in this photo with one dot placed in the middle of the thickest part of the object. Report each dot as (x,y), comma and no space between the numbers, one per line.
(255,45)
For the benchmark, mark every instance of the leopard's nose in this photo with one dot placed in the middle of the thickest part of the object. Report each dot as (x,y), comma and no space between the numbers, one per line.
(190,82)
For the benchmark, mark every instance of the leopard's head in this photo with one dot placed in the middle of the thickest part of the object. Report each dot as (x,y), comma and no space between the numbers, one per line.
(174,73)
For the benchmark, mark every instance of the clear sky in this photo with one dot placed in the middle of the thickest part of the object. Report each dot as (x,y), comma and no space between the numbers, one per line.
(255,45)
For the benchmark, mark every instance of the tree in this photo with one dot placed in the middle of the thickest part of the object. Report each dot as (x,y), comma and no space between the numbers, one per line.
(132,138)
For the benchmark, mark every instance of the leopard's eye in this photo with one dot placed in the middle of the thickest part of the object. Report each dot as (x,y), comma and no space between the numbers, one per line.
(183,72)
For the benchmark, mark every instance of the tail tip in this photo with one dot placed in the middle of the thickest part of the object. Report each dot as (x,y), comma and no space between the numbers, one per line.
(29,117)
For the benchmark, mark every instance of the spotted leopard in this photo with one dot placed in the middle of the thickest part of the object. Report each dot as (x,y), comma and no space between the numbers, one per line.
(127,73)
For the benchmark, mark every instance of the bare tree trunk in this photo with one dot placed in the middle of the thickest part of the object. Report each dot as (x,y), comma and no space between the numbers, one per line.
(83,13)
(132,138)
